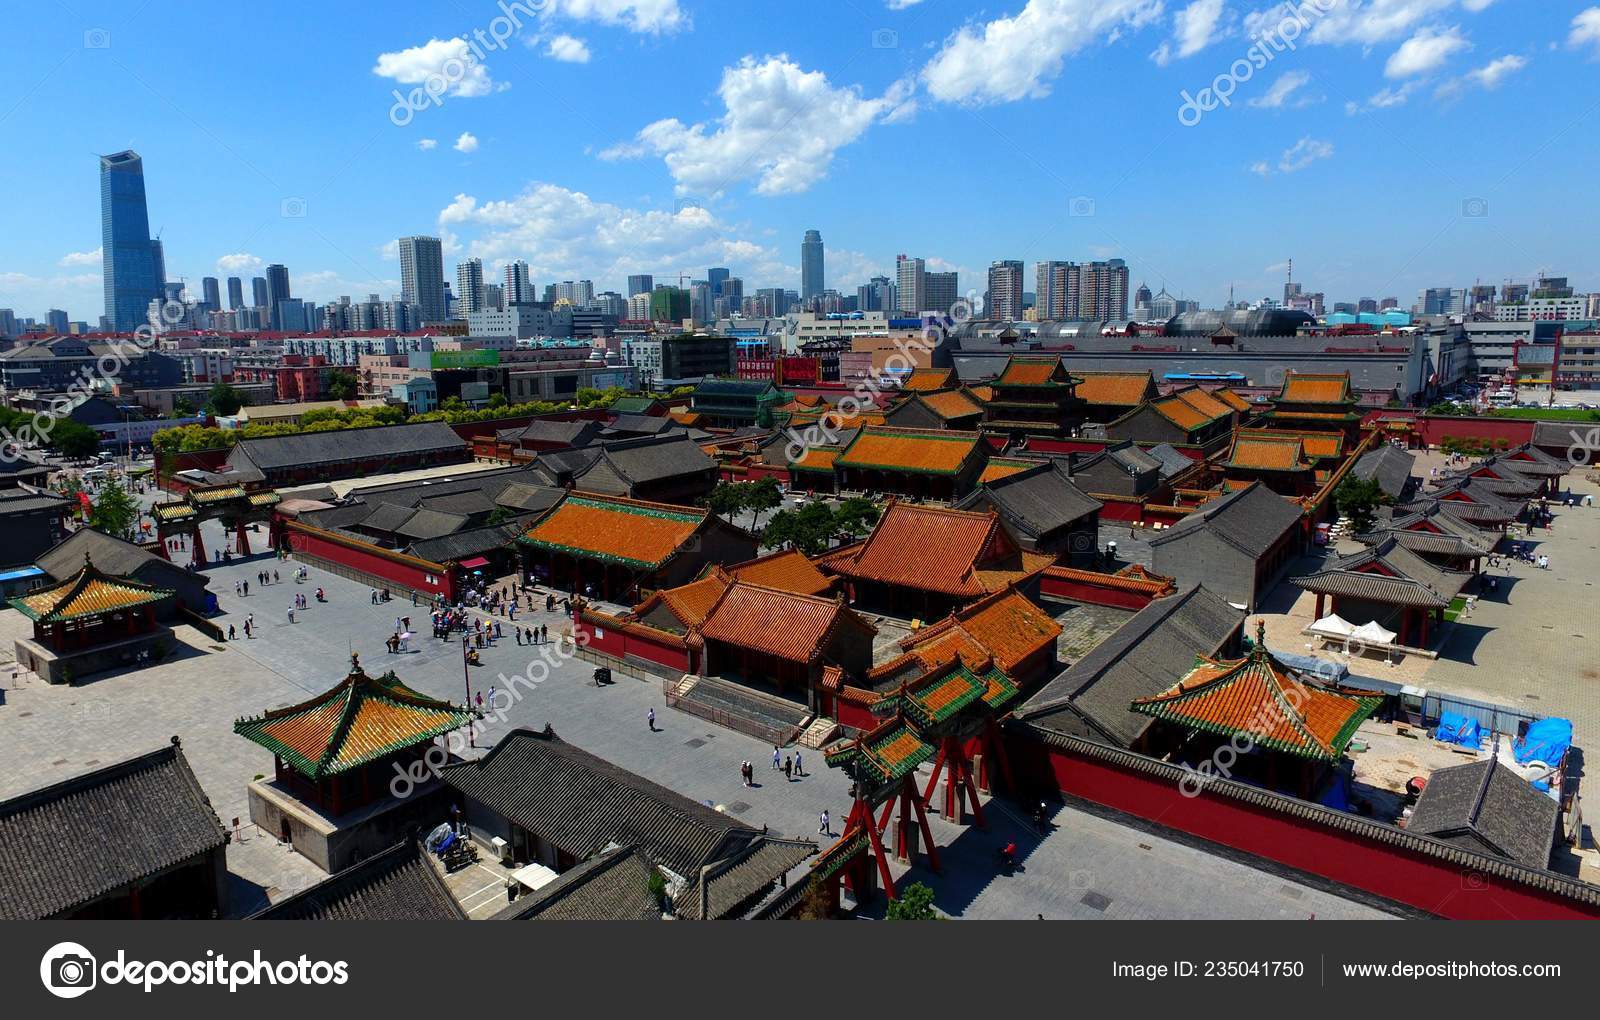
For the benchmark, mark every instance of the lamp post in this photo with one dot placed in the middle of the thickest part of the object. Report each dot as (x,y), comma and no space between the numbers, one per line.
(466,679)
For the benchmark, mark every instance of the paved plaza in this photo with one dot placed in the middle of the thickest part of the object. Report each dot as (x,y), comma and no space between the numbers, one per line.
(1088,866)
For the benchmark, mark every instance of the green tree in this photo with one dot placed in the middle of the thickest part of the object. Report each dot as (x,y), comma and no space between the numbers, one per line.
(74,440)
(762,496)
(587,396)
(498,400)
(1359,499)
(224,400)
(343,385)
(855,516)
(115,512)
(728,498)
(183,407)
(915,904)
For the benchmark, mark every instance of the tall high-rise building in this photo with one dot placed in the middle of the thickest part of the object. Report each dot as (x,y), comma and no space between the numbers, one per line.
(940,292)
(56,320)
(422,276)
(877,295)
(128,259)
(211,294)
(811,274)
(258,292)
(1004,299)
(519,289)
(579,293)
(1102,292)
(641,283)
(235,293)
(910,278)
(716,276)
(277,292)
(158,258)
(469,287)
(1050,289)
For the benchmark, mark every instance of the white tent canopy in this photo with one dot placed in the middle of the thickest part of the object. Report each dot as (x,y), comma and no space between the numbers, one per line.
(1333,625)
(1374,634)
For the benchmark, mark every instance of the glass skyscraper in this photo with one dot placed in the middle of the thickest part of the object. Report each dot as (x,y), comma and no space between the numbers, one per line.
(811,277)
(128,258)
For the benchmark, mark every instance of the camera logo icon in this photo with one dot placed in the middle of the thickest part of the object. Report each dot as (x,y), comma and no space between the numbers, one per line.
(67,970)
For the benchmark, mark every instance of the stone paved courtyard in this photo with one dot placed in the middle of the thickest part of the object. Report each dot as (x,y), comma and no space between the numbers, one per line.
(50,733)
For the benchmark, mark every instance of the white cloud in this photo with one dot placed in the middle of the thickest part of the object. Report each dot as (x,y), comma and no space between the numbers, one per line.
(1424,52)
(565,234)
(1296,157)
(1018,56)
(447,64)
(468,142)
(240,262)
(782,126)
(81,258)
(1496,71)
(567,48)
(1586,30)
(1195,28)
(1282,91)
(427,144)
(900,5)
(649,17)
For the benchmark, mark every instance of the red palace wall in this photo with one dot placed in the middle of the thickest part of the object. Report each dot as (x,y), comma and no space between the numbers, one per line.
(1085,591)
(623,644)
(402,572)
(1434,885)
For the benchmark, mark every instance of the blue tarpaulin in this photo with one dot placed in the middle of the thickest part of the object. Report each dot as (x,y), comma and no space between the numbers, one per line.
(1458,729)
(1547,740)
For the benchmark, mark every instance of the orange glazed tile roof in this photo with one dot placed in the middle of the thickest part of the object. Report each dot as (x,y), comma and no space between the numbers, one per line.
(952,552)
(1267,453)
(1131,578)
(1180,412)
(983,393)
(1025,370)
(1232,399)
(360,720)
(689,602)
(1316,444)
(1257,696)
(816,458)
(1313,415)
(1311,388)
(1204,402)
(838,420)
(779,623)
(87,593)
(952,404)
(924,451)
(929,379)
(1003,467)
(786,571)
(1123,389)
(1004,626)
(616,530)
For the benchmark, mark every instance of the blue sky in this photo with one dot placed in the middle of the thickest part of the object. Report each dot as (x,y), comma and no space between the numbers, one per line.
(1395,144)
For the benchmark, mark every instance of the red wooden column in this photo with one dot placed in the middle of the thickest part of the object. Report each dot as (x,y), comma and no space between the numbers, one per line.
(242,537)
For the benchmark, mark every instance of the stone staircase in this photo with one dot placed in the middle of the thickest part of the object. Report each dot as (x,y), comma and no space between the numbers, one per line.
(819,734)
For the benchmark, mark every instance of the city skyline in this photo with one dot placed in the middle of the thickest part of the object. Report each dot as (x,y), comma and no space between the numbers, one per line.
(629,195)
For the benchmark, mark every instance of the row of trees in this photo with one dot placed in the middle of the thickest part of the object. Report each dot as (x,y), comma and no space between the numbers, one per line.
(812,529)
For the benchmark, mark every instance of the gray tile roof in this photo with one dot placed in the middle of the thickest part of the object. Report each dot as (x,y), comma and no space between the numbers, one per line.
(398,884)
(1037,501)
(1389,465)
(543,430)
(1171,460)
(1251,519)
(642,424)
(652,459)
(276,452)
(1407,578)
(112,555)
(581,802)
(1145,656)
(469,543)
(72,842)
(423,524)
(610,886)
(739,882)
(1485,806)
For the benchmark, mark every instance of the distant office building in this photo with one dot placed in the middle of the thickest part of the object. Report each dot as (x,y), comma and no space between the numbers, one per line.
(289,315)
(518,288)
(940,292)
(278,292)
(641,283)
(128,256)
(877,295)
(1367,305)
(56,320)
(469,287)
(669,304)
(579,293)
(422,276)
(211,294)
(716,277)
(811,270)
(258,292)
(772,301)
(235,293)
(910,277)
(1052,281)
(8,322)
(1004,298)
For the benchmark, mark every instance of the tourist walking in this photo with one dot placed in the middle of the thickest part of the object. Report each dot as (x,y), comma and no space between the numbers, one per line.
(824,829)
(650,719)
(775,757)
(799,769)
(788,770)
